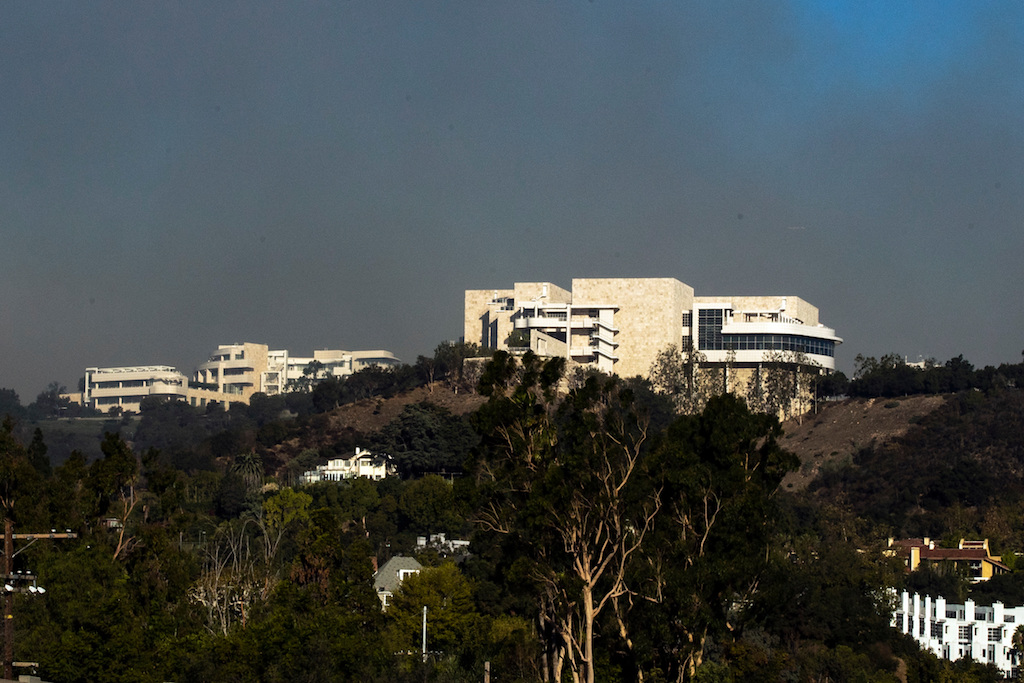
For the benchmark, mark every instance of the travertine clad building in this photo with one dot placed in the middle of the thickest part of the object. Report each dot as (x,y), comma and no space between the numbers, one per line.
(233,373)
(619,325)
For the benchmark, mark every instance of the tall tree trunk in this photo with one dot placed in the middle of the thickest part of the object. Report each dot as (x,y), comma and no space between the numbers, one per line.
(588,642)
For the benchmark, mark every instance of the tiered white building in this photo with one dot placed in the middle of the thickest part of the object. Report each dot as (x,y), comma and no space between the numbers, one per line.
(620,325)
(953,632)
(233,373)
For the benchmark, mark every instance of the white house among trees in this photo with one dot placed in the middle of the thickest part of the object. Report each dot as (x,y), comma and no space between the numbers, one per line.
(362,464)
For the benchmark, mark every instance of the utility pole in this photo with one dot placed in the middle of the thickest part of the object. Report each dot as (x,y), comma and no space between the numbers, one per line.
(424,633)
(10,588)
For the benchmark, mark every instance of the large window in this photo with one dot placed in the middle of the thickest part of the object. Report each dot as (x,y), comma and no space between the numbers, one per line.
(709,329)
(779,342)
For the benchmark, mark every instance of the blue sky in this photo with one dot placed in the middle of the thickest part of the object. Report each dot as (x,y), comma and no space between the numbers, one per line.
(334,175)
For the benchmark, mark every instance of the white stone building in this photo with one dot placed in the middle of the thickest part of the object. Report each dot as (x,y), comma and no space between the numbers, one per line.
(286,372)
(362,464)
(620,325)
(244,369)
(952,631)
(127,387)
(232,373)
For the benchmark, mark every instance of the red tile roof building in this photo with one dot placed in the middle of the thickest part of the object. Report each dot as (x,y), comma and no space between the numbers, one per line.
(973,556)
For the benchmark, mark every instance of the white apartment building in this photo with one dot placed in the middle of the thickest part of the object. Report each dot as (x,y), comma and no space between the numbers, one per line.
(953,632)
(234,369)
(244,369)
(284,371)
(620,325)
(233,373)
(127,387)
(362,464)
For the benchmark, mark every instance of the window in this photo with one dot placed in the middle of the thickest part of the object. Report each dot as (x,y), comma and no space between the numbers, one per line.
(779,342)
(995,635)
(965,632)
(709,329)
(937,631)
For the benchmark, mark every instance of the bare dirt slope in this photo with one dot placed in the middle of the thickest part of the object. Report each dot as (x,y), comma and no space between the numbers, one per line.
(841,429)
(370,415)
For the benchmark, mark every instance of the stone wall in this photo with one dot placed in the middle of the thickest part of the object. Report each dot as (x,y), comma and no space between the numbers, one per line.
(649,316)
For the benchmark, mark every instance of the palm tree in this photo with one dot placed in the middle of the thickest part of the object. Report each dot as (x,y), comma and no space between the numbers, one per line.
(250,467)
(1018,645)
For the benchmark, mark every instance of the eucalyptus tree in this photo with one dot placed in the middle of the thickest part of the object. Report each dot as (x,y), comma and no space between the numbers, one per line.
(560,477)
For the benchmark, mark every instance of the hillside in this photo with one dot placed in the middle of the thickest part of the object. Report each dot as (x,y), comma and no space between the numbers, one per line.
(839,430)
(832,436)
(370,415)
(958,469)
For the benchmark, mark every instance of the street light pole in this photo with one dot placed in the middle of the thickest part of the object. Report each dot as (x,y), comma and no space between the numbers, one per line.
(10,589)
(424,633)
(8,602)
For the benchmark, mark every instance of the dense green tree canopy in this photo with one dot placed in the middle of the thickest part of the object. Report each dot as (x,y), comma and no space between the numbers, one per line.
(610,540)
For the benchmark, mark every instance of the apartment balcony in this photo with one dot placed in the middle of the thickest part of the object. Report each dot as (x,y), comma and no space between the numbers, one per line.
(582,351)
(541,322)
(592,352)
(604,339)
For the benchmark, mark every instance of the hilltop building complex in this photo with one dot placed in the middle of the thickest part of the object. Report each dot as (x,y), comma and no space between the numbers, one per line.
(233,373)
(620,325)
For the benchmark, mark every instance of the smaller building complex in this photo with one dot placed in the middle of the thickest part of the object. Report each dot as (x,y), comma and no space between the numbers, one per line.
(953,632)
(232,373)
(127,387)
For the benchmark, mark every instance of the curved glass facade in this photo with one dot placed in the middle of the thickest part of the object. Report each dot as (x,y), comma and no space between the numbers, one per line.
(710,338)
(778,342)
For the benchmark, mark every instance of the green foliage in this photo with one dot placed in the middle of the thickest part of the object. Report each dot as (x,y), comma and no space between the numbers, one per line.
(956,470)
(453,623)
(286,507)
(682,375)
(426,438)
(890,376)
(594,508)
(10,405)
(49,404)
(941,578)
(428,506)
(20,482)
(718,472)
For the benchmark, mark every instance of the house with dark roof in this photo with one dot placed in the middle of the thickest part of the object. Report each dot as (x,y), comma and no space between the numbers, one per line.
(388,578)
(971,557)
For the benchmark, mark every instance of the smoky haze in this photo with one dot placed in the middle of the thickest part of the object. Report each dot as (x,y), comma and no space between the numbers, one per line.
(333,175)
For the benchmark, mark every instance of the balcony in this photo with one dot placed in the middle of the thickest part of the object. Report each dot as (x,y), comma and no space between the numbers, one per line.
(541,322)
(599,337)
